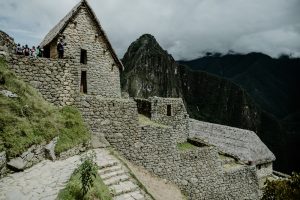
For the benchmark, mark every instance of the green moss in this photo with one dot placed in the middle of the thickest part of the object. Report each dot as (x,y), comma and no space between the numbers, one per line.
(29,119)
(72,190)
(185,146)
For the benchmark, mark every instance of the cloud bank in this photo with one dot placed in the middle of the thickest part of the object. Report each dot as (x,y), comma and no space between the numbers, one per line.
(186,28)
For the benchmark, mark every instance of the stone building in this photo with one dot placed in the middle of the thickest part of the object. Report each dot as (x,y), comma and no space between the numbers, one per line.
(87,43)
(242,145)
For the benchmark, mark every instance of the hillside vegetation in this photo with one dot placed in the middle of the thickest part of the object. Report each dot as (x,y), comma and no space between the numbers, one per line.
(28,119)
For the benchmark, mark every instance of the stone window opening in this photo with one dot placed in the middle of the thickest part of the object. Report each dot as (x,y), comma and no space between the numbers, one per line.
(74,24)
(83,82)
(169,110)
(83,56)
(112,67)
(259,167)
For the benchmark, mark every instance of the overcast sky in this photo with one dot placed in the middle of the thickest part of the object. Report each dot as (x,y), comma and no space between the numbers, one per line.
(186,28)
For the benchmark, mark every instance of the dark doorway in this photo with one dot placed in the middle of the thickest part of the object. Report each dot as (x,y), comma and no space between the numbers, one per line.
(169,112)
(83,56)
(83,83)
(46,52)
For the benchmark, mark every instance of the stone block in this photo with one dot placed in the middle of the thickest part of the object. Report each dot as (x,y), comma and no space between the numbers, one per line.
(17,164)
(50,149)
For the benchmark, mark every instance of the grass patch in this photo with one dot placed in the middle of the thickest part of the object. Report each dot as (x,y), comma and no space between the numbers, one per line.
(143,120)
(74,132)
(185,146)
(29,119)
(73,189)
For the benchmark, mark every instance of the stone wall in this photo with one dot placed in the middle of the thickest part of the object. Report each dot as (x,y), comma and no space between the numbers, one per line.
(114,119)
(56,80)
(193,171)
(103,74)
(264,170)
(241,183)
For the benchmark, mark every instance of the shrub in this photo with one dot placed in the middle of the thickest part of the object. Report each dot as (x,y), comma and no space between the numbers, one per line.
(88,172)
(286,189)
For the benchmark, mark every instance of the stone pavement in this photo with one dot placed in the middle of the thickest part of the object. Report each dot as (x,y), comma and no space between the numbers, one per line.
(44,180)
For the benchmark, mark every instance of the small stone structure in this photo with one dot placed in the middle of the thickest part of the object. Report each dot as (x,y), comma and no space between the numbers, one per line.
(166,111)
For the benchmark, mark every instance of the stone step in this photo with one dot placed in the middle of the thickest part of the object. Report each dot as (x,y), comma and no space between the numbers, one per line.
(110,169)
(116,179)
(136,195)
(106,163)
(112,174)
(123,187)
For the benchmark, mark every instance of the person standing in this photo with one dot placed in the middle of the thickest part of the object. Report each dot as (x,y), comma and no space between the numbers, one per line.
(60,48)
(33,52)
(26,50)
(19,50)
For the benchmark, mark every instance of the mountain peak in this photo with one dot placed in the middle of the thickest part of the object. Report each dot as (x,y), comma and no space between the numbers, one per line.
(149,70)
(145,44)
(147,37)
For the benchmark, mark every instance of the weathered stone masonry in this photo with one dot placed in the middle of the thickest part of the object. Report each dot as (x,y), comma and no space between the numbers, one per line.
(102,71)
(56,80)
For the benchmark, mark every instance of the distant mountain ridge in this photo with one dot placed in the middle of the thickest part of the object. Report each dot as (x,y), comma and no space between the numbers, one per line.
(273,83)
(151,71)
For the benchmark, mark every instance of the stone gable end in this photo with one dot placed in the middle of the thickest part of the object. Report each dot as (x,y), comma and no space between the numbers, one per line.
(102,72)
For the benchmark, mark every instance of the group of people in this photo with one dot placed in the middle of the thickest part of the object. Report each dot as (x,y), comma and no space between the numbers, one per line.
(39,52)
(26,51)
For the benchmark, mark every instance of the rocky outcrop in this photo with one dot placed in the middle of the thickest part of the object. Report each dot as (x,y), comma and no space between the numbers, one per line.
(149,70)
(7,43)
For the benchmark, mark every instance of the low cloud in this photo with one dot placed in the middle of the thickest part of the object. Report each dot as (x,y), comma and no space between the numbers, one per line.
(185,28)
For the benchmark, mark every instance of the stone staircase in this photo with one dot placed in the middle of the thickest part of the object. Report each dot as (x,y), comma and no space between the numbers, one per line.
(118,179)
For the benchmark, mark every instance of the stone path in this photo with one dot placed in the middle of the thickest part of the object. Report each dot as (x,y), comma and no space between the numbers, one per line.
(44,180)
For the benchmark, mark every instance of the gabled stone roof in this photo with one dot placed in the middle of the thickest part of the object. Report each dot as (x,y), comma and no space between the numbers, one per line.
(242,144)
(56,30)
